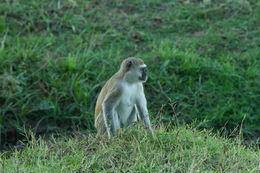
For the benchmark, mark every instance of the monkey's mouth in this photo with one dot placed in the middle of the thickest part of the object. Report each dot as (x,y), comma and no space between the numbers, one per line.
(143,78)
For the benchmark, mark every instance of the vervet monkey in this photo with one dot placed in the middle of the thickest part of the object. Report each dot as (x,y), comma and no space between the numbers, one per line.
(122,98)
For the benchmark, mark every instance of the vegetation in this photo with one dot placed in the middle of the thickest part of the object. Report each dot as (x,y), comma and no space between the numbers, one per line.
(204,70)
(203,57)
(181,149)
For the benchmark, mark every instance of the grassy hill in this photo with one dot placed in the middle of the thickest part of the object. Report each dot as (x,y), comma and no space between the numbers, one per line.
(179,149)
(203,58)
(204,70)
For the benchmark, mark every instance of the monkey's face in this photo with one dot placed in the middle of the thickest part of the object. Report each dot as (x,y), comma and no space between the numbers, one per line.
(142,75)
(137,73)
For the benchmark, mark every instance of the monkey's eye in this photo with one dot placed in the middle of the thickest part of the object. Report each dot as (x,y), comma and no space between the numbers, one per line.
(128,65)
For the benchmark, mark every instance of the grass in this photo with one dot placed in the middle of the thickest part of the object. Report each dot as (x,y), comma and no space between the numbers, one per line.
(203,58)
(179,149)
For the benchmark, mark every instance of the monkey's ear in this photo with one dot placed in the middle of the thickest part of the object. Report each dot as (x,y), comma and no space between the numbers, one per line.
(128,65)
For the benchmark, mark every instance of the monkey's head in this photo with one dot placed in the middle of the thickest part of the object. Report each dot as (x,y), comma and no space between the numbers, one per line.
(134,69)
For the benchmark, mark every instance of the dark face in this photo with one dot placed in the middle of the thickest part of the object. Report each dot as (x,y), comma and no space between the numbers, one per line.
(135,71)
(143,76)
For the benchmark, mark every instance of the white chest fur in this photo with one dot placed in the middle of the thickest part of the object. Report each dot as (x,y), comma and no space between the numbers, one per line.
(127,102)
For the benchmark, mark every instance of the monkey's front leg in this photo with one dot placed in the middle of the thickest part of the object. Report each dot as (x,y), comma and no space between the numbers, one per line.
(147,122)
(143,112)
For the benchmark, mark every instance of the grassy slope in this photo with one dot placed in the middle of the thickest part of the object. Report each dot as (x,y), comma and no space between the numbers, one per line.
(182,149)
(56,55)
(204,64)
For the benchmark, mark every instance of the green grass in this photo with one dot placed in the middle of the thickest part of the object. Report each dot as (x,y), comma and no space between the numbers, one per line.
(203,58)
(179,149)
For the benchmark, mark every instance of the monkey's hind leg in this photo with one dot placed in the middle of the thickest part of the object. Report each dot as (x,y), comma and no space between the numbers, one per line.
(100,125)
